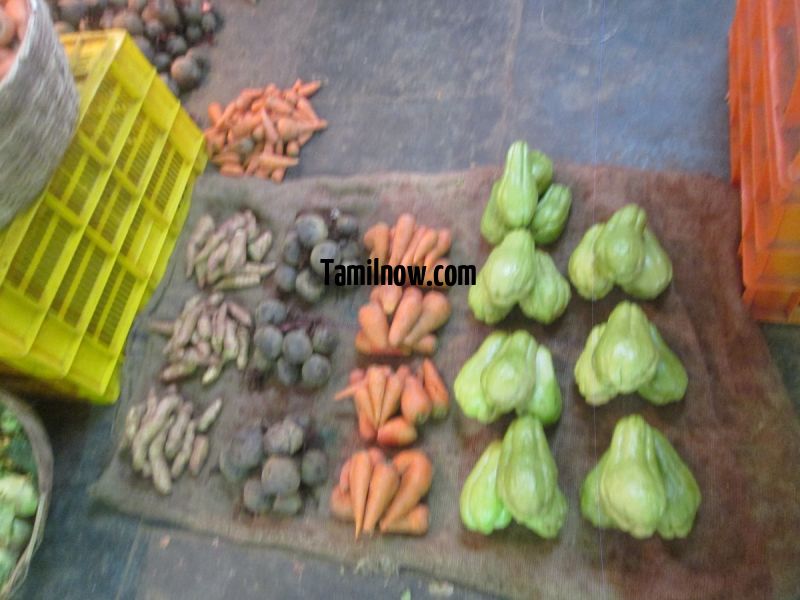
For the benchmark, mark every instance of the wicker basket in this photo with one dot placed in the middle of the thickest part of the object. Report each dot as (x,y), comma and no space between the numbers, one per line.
(38,114)
(43,455)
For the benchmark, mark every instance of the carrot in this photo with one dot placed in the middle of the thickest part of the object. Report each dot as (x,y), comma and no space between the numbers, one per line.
(366,429)
(363,404)
(405,317)
(426,244)
(341,505)
(443,242)
(349,391)
(246,98)
(214,112)
(408,257)
(396,432)
(413,523)
(376,240)
(435,313)
(389,297)
(427,345)
(231,170)
(278,174)
(374,325)
(309,89)
(303,139)
(382,488)
(415,404)
(290,96)
(272,161)
(278,105)
(356,375)
(403,232)
(416,474)
(269,127)
(364,346)
(293,149)
(305,110)
(360,474)
(344,476)
(376,455)
(394,389)
(376,384)
(436,389)
(289,129)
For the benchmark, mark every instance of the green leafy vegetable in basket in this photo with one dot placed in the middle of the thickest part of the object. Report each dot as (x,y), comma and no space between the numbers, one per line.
(517,273)
(640,485)
(510,371)
(622,251)
(625,355)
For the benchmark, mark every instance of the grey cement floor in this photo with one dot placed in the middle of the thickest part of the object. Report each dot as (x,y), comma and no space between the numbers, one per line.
(411,85)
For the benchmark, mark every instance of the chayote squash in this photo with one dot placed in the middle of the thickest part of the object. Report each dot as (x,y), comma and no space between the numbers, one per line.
(551,214)
(480,506)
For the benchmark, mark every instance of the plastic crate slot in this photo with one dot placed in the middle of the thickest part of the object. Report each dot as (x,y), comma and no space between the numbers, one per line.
(110,212)
(124,295)
(85,179)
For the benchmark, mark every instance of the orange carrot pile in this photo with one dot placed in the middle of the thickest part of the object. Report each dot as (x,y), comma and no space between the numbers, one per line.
(379,394)
(374,493)
(408,244)
(415,316)
(260,133)
(13,23)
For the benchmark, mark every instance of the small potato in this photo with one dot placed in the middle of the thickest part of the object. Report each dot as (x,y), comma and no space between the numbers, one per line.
(345,225)
(286,373)
(309,287)
(316,371)
(242,453)
(284,437)
(162,62)
(324,339)
(269,341)
(292,250)
(311,229)
(325,250)
(288,504)
(185,73)
(145,46)
(129,20)
(314,468)
(280,476)
(176,46)
(271,311)
(284,278)
(297,346)
(350,250)
(253,497)
(209,22)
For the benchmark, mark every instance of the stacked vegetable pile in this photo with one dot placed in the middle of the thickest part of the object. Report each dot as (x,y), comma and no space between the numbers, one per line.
(163,438)
(295,351)
(510,371)
(373,492)
(409,244)
(19,498)
(316,236)
(13,23)
(230,256)
(379,393)
(625,355)
(168,32)
(415,318)
(285,464)
(640,485)
(260,133)
(209,333)
(622,251)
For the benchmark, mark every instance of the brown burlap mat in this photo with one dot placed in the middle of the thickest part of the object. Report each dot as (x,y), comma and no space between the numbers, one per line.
(736,428)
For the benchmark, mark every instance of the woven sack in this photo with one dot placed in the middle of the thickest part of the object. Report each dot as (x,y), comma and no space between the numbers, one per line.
(38,114)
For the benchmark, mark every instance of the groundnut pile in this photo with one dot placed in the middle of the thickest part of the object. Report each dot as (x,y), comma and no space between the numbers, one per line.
(168,32)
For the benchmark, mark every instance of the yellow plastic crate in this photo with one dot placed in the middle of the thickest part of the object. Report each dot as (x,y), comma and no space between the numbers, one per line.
(78,265)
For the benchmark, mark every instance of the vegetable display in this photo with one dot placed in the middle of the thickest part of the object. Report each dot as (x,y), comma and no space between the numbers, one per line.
(172,34)
(209,333)
(374,493)
(525,198)
(231,255)
(164,436)
(13,24)
(408,243)
(515,479)
(517,273)
(509,371)
(640,485)
(379,394)
(625,355)
(315,238)
(296,352)
(622,251)
(276,467)
(260,133)
(415,316)
(19,496)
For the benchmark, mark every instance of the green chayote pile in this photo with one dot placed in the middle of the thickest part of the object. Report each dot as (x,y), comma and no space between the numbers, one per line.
(626,354)
(622,251)
(516,478)
(524,198)
(517,273)
(509,371)
(640,485)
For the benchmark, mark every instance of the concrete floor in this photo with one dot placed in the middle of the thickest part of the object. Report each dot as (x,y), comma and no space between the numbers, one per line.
(411,85)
